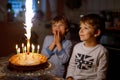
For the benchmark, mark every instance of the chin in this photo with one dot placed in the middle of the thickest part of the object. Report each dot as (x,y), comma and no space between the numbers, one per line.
(81,39)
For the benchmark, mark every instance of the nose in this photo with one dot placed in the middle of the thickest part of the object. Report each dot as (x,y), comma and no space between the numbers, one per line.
(80,30)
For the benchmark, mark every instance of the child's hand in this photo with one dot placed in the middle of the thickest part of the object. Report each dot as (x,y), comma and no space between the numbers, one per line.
(57,38)
(53,44)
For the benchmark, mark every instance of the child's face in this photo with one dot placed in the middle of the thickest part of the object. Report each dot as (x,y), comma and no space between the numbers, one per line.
(87,32)
(59,27)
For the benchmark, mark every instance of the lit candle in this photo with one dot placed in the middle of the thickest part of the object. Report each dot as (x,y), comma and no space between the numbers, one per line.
(28,45)
(33,48)
(16,48)
(23,47)
(38,47)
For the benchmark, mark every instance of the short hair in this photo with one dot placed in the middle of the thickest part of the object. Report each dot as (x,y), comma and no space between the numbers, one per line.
(60,18)
(94,20)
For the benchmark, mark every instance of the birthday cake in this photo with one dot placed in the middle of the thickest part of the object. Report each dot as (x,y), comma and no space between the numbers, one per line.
(31,61)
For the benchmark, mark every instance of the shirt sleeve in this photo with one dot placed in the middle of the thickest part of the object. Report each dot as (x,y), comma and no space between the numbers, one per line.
(71,66)
(103,65)
(45,49)
(64,54)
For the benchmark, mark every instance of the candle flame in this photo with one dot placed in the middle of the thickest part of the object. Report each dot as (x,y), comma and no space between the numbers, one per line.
(18,50)
(38,47)
(16,46)
(22,45)
(33,47)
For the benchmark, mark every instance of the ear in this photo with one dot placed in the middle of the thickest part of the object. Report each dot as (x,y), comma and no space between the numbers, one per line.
(67,30)
(97,33)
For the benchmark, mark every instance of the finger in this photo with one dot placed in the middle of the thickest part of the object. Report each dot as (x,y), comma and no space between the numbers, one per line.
(55,32)
(58,36)
(58,32)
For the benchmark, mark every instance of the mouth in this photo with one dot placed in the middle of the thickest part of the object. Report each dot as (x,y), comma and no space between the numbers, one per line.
(81,35)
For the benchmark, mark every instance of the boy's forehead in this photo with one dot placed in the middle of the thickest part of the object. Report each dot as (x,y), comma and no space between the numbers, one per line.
(56,22)
(86,25)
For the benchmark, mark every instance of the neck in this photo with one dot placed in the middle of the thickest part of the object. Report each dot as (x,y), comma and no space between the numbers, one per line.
(90,43)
